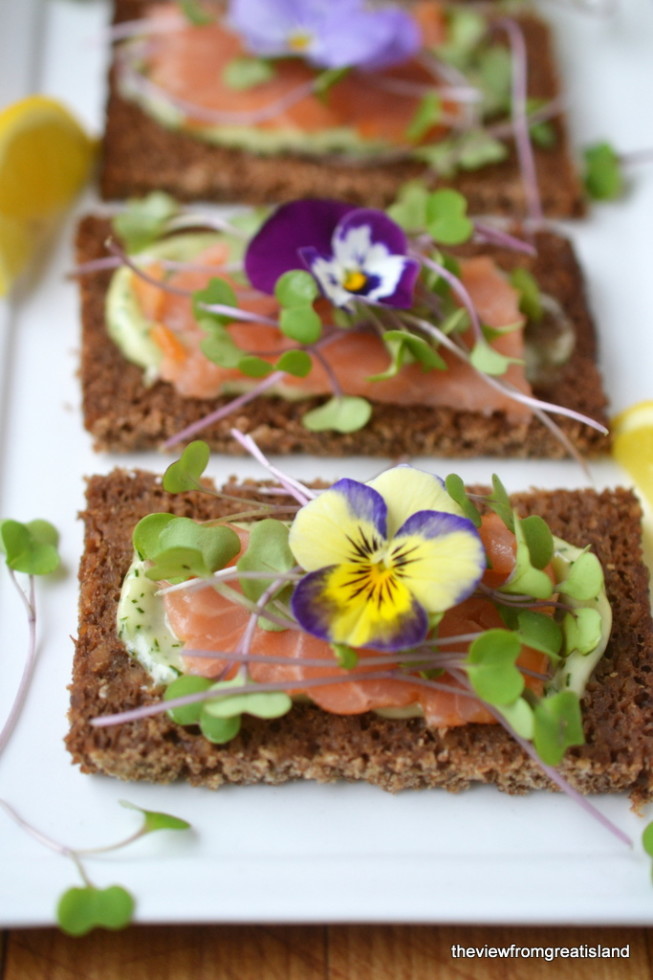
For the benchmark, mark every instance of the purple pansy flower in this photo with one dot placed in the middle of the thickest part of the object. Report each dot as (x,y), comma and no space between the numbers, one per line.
(381,558)
(328,33)
(354,253)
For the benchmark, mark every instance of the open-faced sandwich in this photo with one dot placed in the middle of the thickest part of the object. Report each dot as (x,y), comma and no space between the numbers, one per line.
(263,100)
(323,327)
(404,631)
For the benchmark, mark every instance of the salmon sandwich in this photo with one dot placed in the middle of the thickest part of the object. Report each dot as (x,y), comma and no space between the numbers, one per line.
(262,100)
(406,631)
(323,327)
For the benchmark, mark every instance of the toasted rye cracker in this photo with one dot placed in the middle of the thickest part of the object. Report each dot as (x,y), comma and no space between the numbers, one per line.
(309,743)
(122,414)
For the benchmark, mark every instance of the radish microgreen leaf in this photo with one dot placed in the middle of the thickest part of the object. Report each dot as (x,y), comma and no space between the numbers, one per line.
(82,909)
(184,474)
(343,413)
(603,177)
(558,726)
(144,220)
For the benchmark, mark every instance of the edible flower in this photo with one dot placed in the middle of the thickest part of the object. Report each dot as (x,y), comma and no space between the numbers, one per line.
(382,558)
(329,34)
(353,253)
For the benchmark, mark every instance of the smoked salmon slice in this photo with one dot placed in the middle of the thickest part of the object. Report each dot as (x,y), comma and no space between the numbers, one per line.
(354,356)
(205,620)
(188,63)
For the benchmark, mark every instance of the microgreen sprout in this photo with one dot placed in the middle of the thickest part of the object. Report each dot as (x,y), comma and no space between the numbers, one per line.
(80,910)
(30,549)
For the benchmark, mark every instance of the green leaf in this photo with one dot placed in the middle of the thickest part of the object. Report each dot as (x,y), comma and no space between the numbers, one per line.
(558,726)
(186,548)
(301,323)
(539,540)
(30,548)
(584,578)
(493,71)
(446,217)
(603,177)
(488,360)
(195,12)
(244,73)
(296,288)
(184,474)
(477,149)
(583,629)
(406,348)
(346,656)
(218,292)
(539,632)
(324,82)
(499,501)
(343,413)
(455,487)
(427,115)
(530,299)
(262,704)
(465,31)
(647,838)
(409,210)
(188,714)
(526,578)
(254,367)
(144,220)
(147,532)
(219,730)
(491,667)
(82,909)
(295,362)
(267,550)
(153,820)
(520,716)
(219,346)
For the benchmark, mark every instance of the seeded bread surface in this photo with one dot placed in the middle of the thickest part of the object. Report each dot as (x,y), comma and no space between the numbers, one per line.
(139,155)
(124,415)
(309,743)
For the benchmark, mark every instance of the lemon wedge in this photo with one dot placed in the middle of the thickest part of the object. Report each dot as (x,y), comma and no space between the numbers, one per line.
(632,433)
(45,158)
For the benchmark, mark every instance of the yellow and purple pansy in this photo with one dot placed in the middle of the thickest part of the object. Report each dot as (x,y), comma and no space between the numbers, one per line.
(329,34)
(355,254)
(382,558)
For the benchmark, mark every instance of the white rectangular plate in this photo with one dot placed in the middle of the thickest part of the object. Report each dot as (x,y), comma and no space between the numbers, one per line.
(299,853)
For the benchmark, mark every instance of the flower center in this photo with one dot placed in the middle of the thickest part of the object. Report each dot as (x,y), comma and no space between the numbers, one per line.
(354,281)
(299,41)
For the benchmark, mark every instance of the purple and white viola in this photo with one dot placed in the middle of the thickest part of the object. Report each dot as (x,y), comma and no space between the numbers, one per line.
(355,254)
(327,33)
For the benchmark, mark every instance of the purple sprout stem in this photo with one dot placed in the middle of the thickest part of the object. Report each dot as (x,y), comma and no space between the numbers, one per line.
(29,602)
(232,311)
(502,239)
(146,711)
(519,113)
(95,265)
(458,288)
(506,389)
(225,410)
(141,26)
(301,493)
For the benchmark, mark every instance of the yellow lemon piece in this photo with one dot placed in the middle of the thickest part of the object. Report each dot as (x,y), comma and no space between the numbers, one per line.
(45,158)
(632,432)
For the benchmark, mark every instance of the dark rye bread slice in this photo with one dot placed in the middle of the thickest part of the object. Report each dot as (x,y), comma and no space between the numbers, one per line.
(309,743)
(140,155)
(124,415)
